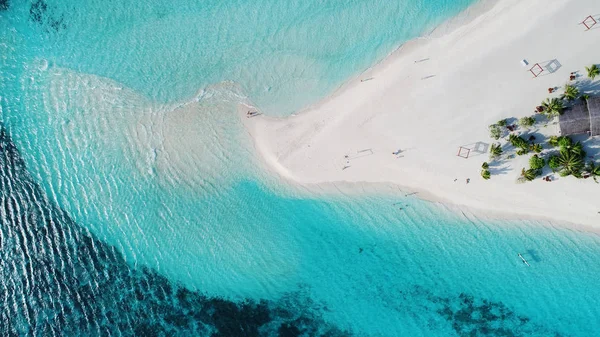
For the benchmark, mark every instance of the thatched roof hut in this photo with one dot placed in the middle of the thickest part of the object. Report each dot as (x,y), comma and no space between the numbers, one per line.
(593,106)
(575,120)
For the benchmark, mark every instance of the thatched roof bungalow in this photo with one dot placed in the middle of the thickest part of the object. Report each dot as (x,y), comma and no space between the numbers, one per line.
(575,120)
(593,105)
(581,118)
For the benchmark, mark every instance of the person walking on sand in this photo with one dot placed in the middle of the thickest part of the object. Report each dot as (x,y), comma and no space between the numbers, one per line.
(468,180)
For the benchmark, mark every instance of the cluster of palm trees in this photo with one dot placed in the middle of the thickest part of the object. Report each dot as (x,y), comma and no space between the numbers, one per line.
(555,106)
(485,172)
(570,159)
(523,145)
(495,153)
(536,164)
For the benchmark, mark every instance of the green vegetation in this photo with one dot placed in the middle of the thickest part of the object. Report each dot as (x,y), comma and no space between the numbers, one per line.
(592,71)
(578,150)
(495,151)
(521,152)
(570,163)
(564,142)
(553,140)
(485,174)
(514,140)
(536,162)
(518,142)
(495,131)
(571,92)
(526,121)
(554,163)
(553,107)
(593,170)
(529,174)
(570,160)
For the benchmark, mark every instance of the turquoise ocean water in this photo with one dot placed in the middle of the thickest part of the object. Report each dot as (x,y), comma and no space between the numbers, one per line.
(124,114)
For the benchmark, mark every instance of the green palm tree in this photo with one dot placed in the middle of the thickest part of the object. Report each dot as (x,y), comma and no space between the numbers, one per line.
(577,149)
(527,121)
(495,131)
(517,141)
(564,142)
(570,163)
(537,148)
(485,174)
(530,174)
(554,163)
(592,71)
(536,162)
(495,150)
(553,140)
(553,107)
(571,92)
(593,170)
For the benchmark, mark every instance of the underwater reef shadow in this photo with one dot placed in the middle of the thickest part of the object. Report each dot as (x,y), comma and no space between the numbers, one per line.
(57,279)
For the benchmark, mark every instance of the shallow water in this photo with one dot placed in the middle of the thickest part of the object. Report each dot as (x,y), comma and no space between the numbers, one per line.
(151,203)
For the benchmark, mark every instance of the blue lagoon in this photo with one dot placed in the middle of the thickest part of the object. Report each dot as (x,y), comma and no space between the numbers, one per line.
(133,202)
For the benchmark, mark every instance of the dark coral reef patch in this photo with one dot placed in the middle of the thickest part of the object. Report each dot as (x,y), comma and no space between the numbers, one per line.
(58,280)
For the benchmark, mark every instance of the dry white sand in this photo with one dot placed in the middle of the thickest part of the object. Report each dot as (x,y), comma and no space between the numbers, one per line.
(469,78)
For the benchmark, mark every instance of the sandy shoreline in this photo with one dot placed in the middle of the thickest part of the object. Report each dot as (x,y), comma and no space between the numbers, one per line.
(469,77)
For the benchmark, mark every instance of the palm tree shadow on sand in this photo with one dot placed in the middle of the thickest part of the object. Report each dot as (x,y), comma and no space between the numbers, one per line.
(498,168)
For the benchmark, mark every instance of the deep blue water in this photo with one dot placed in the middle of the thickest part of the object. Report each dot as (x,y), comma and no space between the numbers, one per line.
(134,204)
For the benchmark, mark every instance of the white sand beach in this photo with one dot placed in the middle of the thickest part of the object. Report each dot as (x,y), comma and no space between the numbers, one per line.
(441,92)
